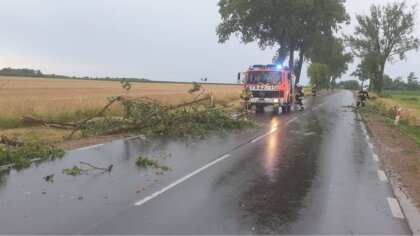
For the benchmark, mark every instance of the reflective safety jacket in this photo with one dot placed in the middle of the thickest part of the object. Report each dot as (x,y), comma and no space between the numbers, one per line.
(299,95)
(363,95)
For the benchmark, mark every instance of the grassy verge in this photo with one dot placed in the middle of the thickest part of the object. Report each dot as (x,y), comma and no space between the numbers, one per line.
(406,124)
(21,156)
(10,122)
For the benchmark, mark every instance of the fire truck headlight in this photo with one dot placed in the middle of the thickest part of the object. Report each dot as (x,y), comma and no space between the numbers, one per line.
(279,67)
(276,100)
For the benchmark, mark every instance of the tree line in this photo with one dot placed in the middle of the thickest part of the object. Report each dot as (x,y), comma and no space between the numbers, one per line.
(399,84)
(412,83)
(38,74)
(307,30)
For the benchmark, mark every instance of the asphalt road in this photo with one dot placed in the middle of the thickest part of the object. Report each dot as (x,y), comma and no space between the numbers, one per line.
(312,172)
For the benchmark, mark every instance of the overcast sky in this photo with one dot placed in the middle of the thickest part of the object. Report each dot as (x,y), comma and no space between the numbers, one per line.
(171,40)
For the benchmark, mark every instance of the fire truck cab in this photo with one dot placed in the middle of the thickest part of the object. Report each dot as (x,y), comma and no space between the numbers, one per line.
(269,85)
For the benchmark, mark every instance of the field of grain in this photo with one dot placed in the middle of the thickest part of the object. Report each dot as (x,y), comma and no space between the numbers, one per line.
(54,98)
(409,101)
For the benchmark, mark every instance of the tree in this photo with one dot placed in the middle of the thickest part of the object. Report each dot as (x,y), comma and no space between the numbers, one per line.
(412,83)
(286,24)
(384,36)
(388,83)
(319,75)
(330,51)
(349,84)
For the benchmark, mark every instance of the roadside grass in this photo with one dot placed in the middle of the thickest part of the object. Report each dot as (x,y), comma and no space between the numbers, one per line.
(10,122)
(406,125)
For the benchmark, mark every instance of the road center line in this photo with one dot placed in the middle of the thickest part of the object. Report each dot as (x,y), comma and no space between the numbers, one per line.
(89,147)
(262,136)
(395,208)
(382,176)
(290,121)
(148,198)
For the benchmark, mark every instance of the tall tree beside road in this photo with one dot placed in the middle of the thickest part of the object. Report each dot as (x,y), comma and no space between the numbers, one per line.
(319,75)
(384,36)
(330,51)
(367,70)
(287,24)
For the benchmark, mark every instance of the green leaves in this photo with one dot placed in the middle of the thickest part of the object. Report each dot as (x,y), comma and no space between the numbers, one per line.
(383,36)
(196,87)
(49,178)
(126,85)
(289,25)
(21,156)
(74,171)
(319,75)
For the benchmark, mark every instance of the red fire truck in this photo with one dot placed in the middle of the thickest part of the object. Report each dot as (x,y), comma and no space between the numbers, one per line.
(269,85)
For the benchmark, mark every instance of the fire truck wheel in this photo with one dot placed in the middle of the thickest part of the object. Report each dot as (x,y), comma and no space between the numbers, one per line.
(283,109)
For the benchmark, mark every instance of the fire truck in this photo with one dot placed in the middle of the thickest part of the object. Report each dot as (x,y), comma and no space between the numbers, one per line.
(269,85)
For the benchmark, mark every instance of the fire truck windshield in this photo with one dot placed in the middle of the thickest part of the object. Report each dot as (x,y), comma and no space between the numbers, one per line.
(264,77)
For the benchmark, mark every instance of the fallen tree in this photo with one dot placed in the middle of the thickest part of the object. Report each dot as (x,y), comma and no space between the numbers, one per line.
(197,117)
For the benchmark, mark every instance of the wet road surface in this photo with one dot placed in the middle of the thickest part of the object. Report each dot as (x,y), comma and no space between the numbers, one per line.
(311,172)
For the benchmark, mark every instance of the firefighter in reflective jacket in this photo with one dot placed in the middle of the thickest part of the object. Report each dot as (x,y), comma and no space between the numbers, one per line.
(299,96)
(361,98)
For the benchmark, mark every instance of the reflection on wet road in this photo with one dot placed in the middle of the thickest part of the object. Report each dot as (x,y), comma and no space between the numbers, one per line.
(299,173)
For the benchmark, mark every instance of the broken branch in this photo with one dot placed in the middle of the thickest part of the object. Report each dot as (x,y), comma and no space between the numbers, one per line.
(109,169)
(83,122)
(54,124)
(10,142)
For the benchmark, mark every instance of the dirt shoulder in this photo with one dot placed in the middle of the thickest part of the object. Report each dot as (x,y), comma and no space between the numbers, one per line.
(399,154)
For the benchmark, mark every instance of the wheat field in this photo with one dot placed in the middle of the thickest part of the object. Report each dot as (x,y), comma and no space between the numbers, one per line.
(23,96)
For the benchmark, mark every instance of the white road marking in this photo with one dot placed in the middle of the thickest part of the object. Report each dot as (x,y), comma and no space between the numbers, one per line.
(395,208)
(89,147)
(148,198)
(375,157)
(382,176)
(262,136)
(367,137)
(273,130)
(370,145)
(290,121)
(135,137)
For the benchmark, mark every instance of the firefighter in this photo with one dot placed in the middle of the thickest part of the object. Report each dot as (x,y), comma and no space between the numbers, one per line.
(299,96)
(361,98)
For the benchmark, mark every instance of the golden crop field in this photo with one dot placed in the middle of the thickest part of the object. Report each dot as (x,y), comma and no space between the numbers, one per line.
(22,96)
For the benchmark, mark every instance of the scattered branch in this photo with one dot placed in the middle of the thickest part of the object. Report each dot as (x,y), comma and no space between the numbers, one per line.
(109,169)
(83,122)
(53,124)
(10,142)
